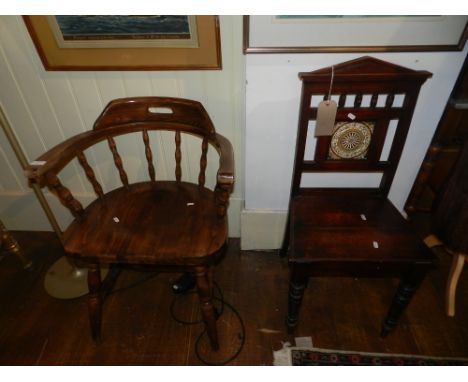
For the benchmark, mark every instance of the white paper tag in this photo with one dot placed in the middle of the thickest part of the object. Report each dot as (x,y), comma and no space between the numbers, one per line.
(375,244)
(363,217)
(116,219)
(190,204)
(351,116)
(326,115)
(303,342)
(38,163)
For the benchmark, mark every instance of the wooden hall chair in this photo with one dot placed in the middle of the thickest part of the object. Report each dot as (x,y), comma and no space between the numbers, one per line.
(355,232)
(173,225)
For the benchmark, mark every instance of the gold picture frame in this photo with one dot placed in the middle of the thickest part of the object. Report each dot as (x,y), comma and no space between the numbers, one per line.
(206,55)
(344,34)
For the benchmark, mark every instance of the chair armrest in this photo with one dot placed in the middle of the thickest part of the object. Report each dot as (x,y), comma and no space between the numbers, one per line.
(225,176)
(55,159)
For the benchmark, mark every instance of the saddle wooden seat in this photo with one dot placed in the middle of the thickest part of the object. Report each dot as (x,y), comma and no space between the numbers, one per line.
(175,225)
(160,223)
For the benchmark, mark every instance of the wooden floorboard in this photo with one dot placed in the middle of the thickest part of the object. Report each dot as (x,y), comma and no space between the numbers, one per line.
(338,313)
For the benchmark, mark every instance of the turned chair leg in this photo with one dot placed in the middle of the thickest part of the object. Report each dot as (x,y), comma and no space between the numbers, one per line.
(204,280)
(297,286)
(408,286)
(457,266)
(95,301)
(8,242)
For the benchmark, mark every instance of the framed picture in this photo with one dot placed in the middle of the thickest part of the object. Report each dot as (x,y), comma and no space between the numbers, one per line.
(126,42)
(310,34)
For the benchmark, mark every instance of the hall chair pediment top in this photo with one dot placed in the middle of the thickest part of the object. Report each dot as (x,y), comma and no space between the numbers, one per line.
(354,231)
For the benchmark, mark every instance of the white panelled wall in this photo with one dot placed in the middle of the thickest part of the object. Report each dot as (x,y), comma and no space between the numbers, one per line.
(44,108)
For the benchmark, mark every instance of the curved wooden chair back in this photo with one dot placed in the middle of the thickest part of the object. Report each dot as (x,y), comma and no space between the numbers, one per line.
(131,115)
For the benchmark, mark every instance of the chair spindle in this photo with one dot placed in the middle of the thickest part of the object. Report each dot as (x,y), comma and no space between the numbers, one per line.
(149,156)
(203,162)
(373,101)
(64,194)
(178,157)
(118,161)
(90,174)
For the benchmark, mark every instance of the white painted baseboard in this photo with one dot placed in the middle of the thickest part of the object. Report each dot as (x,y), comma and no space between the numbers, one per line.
(262,229)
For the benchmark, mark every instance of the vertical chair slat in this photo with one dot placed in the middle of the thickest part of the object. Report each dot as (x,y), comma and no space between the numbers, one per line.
(90,174)
(342,100)
(178,157)
(358,100)
(203,162)
(64,195)
(149,155)
(373,102)
(389,100)
(118,161)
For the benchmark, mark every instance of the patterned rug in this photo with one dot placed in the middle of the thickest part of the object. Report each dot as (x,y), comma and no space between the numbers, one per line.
(293,356)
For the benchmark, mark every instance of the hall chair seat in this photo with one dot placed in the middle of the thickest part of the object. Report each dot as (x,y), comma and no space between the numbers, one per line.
(364,230)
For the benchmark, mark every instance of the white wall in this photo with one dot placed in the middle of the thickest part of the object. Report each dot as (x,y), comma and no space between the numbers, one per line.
(272,107)
(44,108)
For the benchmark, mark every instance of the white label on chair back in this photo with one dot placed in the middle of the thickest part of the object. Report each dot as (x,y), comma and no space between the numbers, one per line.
(38,163)
(363,217)
(116,219)
(326,115)
(375,244)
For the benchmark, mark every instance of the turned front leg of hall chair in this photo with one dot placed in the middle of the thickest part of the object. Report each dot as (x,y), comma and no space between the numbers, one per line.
(458,262)
(204,281)
(409,284)
(297,284)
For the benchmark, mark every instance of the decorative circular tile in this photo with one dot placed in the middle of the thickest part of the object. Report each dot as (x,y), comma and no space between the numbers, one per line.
(350,140)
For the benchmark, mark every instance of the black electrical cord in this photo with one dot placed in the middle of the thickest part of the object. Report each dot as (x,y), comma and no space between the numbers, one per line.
(180,321)
(198,340)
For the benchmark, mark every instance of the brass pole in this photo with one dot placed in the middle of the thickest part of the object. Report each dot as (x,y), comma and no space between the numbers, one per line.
(24,163)
(63,279)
